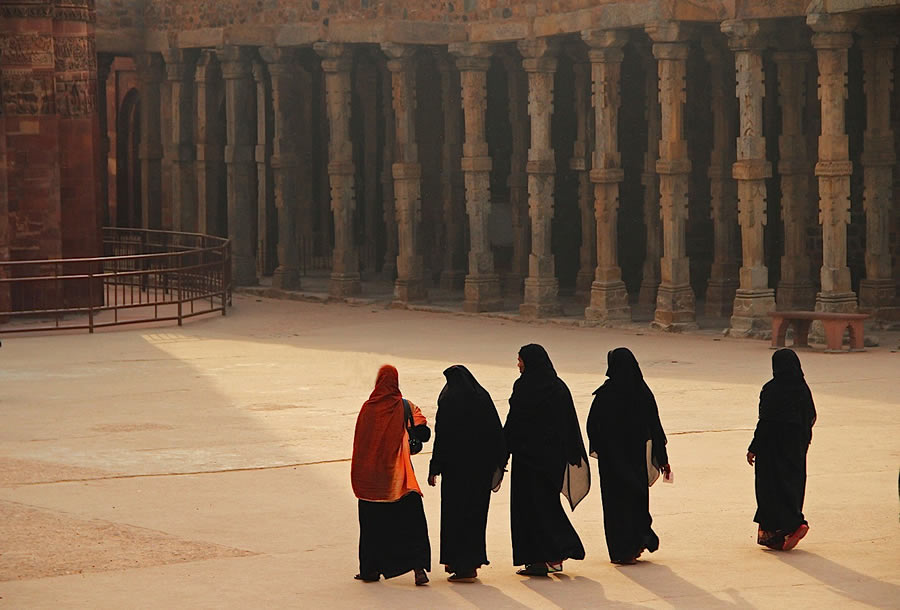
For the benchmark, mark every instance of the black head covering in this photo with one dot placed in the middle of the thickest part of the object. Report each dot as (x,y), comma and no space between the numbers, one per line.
(542,426)
(468,434)
(625,408)
(786,397)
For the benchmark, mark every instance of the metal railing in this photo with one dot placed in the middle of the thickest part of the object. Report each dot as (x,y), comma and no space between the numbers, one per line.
(144,276)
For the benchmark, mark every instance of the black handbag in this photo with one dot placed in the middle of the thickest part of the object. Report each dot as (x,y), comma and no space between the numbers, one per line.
(415,443)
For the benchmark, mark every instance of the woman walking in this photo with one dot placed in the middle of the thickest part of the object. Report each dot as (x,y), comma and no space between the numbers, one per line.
(623,419)
(778,452)
(393,534)
(470,454)
(548,458)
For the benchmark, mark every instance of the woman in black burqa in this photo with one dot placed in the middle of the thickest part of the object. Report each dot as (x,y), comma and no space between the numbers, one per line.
(778,452)
(623,417)
(548,458)
(470,456)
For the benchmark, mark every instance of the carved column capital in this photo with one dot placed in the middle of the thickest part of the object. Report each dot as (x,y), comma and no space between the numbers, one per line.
(744,34)
(474,54)
(539,54)
(832,31)
(280,59)
(179,63)
(605,40)
(400,56)
(236,62)
(336,57)
(668,31)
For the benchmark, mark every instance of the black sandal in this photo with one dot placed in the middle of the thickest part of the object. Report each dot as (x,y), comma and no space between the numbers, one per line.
(533,569)
(368,577)
(421,577)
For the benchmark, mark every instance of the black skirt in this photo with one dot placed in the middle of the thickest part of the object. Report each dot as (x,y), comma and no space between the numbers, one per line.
(780,475)
(626,503)
(464,511)
(393,537)
(541,531)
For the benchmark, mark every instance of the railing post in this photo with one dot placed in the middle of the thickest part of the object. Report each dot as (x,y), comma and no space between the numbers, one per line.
(179,279)
(90,298)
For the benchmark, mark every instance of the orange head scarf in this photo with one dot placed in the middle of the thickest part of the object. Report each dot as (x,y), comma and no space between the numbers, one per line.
(381,470)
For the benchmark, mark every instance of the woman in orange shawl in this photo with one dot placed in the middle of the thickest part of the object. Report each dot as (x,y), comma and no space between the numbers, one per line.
(393,533)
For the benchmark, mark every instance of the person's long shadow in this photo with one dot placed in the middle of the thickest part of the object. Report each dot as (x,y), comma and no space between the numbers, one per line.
(840,579)
(666,584)
(574,592)
(481,595)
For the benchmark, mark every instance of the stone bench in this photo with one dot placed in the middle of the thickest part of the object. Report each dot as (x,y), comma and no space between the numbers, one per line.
(834,324)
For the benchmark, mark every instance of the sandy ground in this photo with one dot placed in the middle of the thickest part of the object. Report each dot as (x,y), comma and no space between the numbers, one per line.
(208,466)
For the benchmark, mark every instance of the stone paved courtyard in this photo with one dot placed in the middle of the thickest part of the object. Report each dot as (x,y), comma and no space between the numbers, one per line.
(208,466)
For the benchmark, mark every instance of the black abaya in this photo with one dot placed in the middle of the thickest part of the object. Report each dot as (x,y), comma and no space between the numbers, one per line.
(544,437)
(780,443)
(623,417)
(393,537)
(470,455)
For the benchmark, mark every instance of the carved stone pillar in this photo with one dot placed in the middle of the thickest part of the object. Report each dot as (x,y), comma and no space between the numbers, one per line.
(407,173)
(150,75)
(389,267)
(650,181)
(482,287)
(240,161)
(284,69)
(833,37)
(609,298)
(878,290)
(754,299)
(795,288)
(542,285)
(675,297)
(366,83)
(266,221)
(104,64)
(179,148)
(210,160)
(337,62)
(453,274)
(517,90)
(581,164)
(723,277)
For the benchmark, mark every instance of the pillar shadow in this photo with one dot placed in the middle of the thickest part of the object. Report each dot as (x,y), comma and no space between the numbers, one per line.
(574,592)
(666,584)
(842,580)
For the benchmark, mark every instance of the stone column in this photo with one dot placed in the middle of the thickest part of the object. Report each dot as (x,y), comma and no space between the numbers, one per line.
(609,298)
(754,299)
(453,275)
(517,90)
(150,75)
(366,83)
(210,159)
(833,37)
(482,286)
(650,181)
(104,63)
(389,267)
(580,163)
(266,220)
(337,60)
(878,289)
(179,149)
(795,288)
(284,69)
(723,277)
(675,297)
(240,161)
(541,285)
(407,173)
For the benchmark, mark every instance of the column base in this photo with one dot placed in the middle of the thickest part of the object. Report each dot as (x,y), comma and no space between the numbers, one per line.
(720,298)
(482,293)
(243,270)
(877,294)
(541,298)
(583,282)
(453,280)
(795,296)
(609,302)
(344,285)
(409,290)
(286,278)
(389,272)
(750,317)
(836,302)
(647,294)
(674,309)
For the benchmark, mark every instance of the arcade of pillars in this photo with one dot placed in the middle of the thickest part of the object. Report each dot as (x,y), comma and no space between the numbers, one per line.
(638,169)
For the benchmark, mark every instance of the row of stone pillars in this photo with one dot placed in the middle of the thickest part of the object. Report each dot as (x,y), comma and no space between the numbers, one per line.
(738,286)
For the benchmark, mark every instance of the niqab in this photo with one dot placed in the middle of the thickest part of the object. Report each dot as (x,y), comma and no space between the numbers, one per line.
(786,398)
(542,425)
